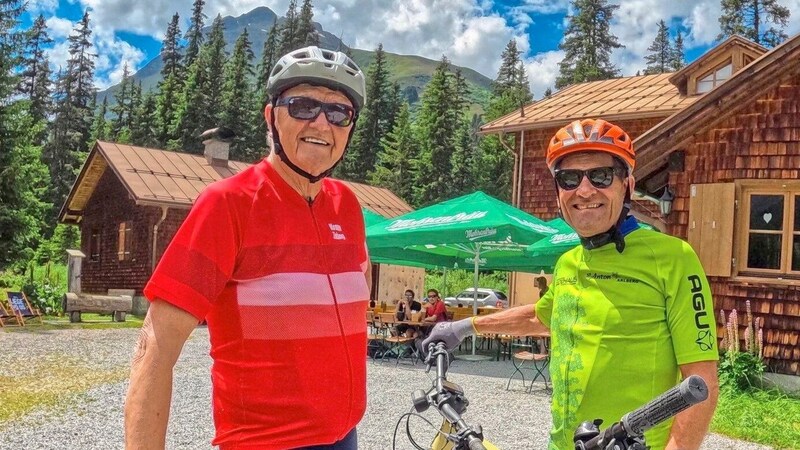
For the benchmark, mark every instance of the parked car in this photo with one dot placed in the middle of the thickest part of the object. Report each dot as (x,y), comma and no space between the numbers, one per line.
(487,298)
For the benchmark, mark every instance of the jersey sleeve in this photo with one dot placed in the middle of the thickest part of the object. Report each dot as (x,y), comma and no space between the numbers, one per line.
(690,308)
(201,257)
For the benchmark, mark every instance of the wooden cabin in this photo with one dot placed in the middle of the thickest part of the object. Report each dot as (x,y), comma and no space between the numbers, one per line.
(722,137)
(129,201)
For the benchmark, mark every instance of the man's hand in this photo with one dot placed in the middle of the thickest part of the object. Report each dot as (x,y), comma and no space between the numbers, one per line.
(451,333)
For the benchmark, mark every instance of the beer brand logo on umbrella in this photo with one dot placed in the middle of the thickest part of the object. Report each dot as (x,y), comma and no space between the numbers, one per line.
(430,222)
(478,234)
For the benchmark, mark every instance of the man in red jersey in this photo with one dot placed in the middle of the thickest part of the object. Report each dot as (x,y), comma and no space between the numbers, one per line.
(274,259)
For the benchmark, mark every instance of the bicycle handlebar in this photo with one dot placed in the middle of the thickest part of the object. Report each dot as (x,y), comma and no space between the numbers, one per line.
(691,391)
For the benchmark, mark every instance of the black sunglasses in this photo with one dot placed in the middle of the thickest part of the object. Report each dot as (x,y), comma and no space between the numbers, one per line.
(304,108)
(600,177)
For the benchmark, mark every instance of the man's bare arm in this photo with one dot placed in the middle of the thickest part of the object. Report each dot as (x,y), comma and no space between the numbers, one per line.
(163,334)
(517,321)
(690,426)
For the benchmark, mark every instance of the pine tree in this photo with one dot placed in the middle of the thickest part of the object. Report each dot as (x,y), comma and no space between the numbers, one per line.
(464,159)
(269,56)
(372,123)
(170,50)
(198,106)
(588,44)
(238,101)
(194,35)
(36,42)
(70,128)
(143,132)
(169,86)
(40,97)
(306,33)
(749,18)
(121,108)
(100,126)
(289,35)
(215,57)
(398,158)
(678,60)
(22,178)
(661,55)
(507,74)
(436,125)
(190,111)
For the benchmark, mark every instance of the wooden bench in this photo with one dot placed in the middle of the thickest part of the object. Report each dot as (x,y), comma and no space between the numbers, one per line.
(116,305)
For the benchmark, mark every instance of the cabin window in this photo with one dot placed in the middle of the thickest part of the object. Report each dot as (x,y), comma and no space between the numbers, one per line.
(124,242)
(94,245)
(772,240)
(714,78)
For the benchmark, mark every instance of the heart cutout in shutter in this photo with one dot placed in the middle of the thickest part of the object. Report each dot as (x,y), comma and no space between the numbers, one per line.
(767,217)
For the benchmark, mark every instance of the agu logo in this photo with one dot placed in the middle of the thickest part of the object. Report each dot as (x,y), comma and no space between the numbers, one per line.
(704,338)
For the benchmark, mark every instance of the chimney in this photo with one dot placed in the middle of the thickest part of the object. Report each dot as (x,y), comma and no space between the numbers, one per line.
(217,143)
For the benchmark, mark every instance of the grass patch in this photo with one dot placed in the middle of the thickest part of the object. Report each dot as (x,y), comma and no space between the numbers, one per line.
(89,321)
(765,417)
(50,383)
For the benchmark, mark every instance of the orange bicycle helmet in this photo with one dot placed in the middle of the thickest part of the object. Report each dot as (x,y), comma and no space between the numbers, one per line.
(591,135)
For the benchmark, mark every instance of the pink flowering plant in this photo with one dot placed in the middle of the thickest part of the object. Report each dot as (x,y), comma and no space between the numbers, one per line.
(740,367)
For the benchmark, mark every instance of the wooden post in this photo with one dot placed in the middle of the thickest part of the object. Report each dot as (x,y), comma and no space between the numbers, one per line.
(74,261)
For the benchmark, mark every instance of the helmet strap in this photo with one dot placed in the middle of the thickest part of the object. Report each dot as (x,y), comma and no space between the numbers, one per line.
(278,148)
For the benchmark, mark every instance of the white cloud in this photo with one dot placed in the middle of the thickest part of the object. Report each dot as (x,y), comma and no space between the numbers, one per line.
(545,6)
(36,7)
(542,71)
(58,28)
(703,23)
(111,51)
(467,31)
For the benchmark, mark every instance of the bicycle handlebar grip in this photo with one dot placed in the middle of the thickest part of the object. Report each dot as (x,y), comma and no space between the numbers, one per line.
(476,444)
(691,391)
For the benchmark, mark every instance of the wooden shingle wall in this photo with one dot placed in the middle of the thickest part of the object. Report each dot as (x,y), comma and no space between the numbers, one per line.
(109,205)
(760,142)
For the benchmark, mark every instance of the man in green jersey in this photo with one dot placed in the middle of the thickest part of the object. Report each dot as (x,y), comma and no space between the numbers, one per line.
(629,310)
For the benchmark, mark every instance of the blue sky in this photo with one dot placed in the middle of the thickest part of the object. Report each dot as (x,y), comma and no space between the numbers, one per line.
(471,33)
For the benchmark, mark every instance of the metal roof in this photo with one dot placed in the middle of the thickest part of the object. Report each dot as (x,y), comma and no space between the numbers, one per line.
(161,177)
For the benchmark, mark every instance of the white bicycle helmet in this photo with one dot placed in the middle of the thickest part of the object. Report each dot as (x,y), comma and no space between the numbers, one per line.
(317,66)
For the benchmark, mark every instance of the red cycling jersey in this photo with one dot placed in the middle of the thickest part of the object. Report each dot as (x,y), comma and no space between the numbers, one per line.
(281,284)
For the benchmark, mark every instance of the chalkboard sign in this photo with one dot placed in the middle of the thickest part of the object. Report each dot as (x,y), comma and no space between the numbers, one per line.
(18,304)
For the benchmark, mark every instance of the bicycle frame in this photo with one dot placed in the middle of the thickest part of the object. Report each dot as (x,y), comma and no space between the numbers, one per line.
(440,442)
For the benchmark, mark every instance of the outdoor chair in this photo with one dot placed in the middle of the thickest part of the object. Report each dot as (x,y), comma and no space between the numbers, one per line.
(537,355)
(5,314)
(376,336)
(21,307)
(397,344)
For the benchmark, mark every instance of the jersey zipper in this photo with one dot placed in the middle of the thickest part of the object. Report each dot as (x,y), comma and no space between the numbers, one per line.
(338,316)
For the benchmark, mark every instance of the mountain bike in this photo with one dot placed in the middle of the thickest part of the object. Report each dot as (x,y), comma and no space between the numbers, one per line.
(450,401)
(628,433)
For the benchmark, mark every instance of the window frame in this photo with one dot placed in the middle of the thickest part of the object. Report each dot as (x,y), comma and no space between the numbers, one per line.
(95,244)
(713,73)
(789,189)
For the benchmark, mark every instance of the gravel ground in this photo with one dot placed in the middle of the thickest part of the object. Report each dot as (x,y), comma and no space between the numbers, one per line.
(93,420)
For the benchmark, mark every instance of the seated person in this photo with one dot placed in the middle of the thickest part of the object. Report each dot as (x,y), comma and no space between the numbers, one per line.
(436,311)
(405,308)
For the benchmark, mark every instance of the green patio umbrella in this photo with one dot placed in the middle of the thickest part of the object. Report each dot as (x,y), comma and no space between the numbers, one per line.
(371,218)
(546,251)
(475,230)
